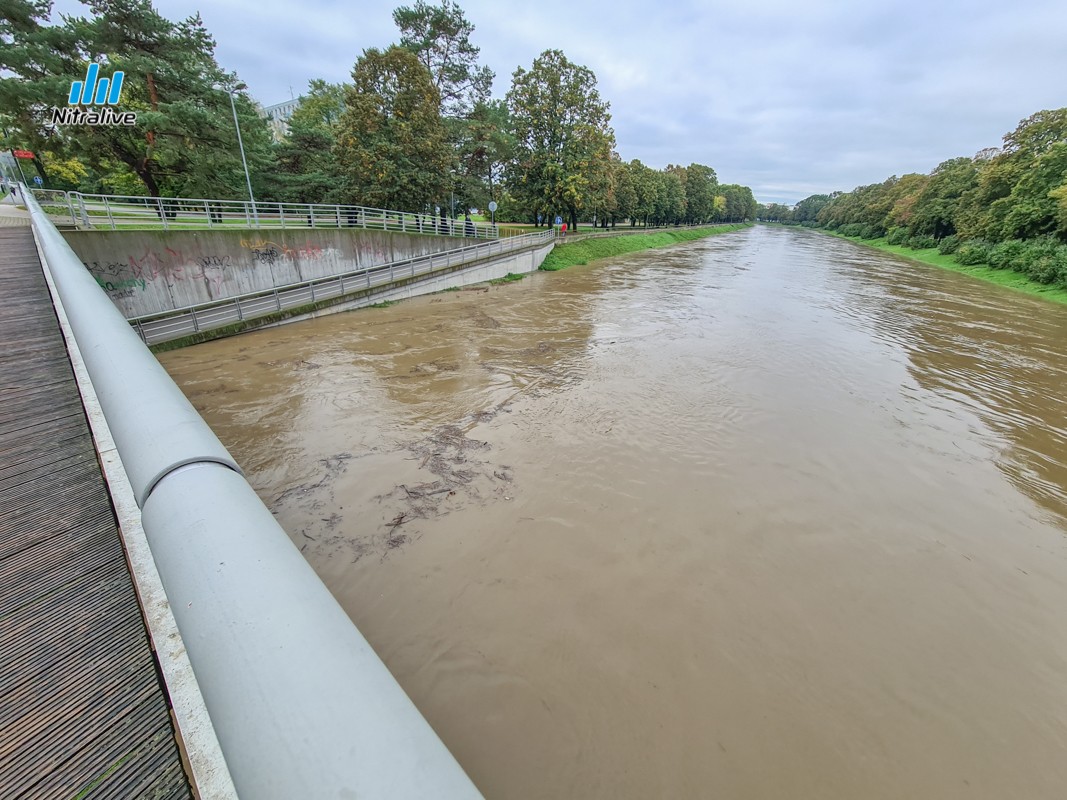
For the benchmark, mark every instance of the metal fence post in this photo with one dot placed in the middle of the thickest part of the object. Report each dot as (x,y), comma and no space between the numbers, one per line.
(70,209)
(84,213)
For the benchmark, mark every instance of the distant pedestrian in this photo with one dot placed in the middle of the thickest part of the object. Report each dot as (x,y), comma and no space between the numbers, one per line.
(563,230)
(468,226)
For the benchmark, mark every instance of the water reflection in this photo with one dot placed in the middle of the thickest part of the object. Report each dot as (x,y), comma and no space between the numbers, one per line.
(993,353)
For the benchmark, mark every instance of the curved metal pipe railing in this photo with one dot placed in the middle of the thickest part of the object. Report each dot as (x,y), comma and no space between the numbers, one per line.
(301,704)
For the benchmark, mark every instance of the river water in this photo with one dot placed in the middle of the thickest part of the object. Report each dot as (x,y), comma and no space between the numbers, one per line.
(766,515)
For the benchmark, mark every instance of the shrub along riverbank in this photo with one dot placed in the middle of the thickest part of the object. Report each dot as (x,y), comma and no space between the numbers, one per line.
(583,251)
(1037,267)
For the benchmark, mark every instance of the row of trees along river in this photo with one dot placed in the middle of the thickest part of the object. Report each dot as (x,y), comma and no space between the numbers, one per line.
(415,128)
(1006,207)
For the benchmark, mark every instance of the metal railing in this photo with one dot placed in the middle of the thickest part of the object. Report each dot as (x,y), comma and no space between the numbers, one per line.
(301,704)
(115,212)
(167,325)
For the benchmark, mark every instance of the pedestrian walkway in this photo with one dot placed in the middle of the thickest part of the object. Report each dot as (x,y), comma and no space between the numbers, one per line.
(83,712)
(11,215)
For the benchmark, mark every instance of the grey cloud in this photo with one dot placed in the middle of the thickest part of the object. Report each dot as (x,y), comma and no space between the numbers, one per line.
(788,98)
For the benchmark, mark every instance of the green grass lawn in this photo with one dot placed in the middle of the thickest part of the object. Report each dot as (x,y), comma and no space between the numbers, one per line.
(583,251)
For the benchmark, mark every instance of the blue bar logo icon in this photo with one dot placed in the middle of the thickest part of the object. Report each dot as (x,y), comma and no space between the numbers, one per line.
(96,91)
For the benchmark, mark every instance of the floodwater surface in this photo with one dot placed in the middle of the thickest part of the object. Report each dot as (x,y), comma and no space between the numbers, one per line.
(766,515)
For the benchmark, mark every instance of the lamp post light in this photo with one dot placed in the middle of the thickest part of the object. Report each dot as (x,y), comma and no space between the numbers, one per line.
(452,190)
(241,145)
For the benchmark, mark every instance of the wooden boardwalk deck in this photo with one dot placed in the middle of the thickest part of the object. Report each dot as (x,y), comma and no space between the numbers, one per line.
(83,713)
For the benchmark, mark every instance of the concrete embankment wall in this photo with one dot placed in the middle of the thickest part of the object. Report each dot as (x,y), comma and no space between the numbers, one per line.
(497,266)
(148,272)
(491,269)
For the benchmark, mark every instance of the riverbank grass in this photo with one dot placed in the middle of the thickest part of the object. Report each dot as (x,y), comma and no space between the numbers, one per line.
(1002,277)
(511,277)
(569,254)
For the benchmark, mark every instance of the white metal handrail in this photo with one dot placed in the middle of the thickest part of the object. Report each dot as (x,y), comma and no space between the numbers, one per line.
(301,704)
(115,212)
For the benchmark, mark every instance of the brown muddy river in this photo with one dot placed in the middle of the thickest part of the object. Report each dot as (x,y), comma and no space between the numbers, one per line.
(763,516)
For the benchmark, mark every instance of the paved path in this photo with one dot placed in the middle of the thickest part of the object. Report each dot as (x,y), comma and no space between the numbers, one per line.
(10,215)
(82,709)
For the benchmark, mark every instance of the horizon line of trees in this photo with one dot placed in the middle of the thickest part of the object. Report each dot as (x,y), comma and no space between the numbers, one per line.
(1005,207)
(415,127)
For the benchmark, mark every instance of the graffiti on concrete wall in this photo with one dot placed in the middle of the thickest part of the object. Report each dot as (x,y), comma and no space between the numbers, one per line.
(121,278)
(265,251)
(134,274)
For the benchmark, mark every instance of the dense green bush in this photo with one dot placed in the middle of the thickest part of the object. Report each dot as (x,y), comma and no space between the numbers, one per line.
(922,242)
(897,236)
(1006,255)
(852,229)
(948,245)
(974,251)
(872,232)
(1041,260)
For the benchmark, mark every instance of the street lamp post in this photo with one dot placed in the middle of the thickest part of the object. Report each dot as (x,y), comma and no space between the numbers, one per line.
(452,191)
(241,146)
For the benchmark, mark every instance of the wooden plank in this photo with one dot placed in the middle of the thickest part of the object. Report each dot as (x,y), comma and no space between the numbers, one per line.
(82,707)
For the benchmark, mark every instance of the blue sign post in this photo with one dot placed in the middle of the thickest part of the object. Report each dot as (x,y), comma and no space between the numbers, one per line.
(559,220)
(37,180)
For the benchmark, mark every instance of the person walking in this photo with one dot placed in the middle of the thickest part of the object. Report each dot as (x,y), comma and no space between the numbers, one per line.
(563,230)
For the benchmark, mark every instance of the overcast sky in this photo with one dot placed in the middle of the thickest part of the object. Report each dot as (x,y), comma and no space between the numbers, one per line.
(791,99)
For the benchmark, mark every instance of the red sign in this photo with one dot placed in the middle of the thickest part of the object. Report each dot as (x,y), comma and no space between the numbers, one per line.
(22,153)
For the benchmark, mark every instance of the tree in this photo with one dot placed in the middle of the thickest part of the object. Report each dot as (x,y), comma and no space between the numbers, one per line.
(1032,207)
(625,206)
(1060,197)
(307,162)
(37,58)
(440,37)
(562,137)
(934,212)
(701,184)
(984,209)
(904,196)
(739,204)
(670,196)
(484,148)
(184,141)
(644,183)
(391,144)
(321,107)
(808,208)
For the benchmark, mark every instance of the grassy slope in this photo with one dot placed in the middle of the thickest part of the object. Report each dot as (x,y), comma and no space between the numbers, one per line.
(1001,277)
(581,252)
